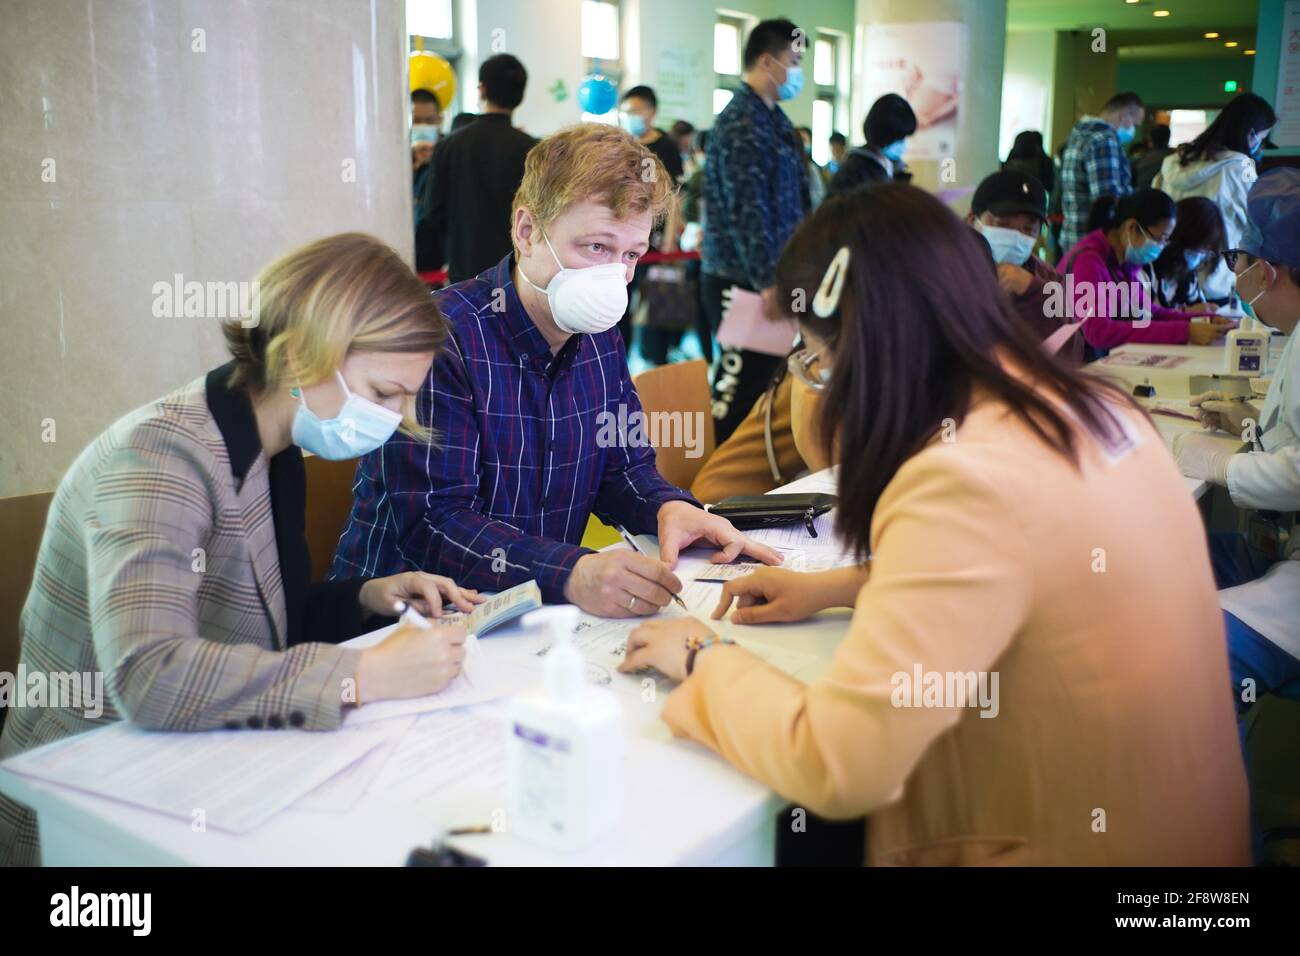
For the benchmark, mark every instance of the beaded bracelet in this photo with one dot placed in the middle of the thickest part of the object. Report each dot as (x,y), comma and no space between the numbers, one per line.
(695,644)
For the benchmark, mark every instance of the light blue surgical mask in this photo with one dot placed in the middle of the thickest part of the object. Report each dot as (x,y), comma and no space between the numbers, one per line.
(1007,245)
(793,83)
(359,428)
(1194,258)
(634,124)
(1144,254)
(424,133)
(1125,134)
(894,151)
(1255,143)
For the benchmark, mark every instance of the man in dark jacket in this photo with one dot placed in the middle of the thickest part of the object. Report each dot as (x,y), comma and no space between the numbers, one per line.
(475,173)
(1008,210)
(888,124)
(755,193)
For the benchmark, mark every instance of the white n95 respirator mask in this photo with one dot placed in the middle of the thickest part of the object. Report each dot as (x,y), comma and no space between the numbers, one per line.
(587,300)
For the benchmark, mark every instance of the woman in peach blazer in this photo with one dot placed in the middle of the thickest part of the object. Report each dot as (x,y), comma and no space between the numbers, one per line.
(1035,671)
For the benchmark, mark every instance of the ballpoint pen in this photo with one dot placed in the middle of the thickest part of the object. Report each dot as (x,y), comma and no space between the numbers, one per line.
(411,616)
(631,543)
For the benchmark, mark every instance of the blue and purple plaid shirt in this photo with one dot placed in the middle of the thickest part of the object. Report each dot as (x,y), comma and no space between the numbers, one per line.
(504,492)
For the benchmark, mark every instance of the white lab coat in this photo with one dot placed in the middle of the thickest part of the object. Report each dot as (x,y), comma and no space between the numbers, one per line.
(1270,479)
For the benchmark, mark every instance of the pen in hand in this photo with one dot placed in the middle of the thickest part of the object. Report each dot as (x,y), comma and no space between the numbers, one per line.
(631,543)
(410,616)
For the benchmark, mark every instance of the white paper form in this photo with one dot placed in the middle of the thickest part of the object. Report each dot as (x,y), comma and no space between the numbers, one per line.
(489,673)
(796,536)
(445,753)
(340,793)
(237,779)
(826,481)
(719,573)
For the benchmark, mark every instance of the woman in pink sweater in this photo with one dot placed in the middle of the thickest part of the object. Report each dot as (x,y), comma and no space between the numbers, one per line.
(1124,234)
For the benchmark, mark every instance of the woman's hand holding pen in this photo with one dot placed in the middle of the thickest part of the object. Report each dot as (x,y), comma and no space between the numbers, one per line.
(413,661)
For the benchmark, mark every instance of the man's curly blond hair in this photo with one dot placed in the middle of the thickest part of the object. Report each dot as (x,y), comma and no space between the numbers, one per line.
(592,161)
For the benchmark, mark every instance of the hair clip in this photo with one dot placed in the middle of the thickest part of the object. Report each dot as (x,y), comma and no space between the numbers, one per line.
(827,299)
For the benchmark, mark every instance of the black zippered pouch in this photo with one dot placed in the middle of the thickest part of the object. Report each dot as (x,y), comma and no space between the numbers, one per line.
(748,512)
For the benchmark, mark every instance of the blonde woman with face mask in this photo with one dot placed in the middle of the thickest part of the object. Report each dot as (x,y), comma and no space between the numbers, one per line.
(174,560)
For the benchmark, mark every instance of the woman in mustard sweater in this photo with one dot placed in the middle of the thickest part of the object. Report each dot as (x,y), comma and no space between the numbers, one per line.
(1035,665)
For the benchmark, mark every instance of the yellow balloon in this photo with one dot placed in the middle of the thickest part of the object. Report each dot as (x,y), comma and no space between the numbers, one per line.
(431,72)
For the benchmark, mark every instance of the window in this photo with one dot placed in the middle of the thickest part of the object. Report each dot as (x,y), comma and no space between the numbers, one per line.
(823,124)
(599,30)
(727,33)
(429,18)
(824,61)
(431,26)
(830,78)
(728,55)
(600,50)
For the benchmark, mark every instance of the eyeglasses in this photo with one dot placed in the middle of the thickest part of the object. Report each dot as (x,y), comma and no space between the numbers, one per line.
(1159,242)
(1230,256)
(805,365)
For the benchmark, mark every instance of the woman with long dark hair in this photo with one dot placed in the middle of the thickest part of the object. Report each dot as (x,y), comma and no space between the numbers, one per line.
(1220,165)
(1191,254)
(1031,555)
(1124,234)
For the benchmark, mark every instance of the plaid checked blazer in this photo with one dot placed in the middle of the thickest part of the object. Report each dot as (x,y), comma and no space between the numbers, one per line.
(160,570)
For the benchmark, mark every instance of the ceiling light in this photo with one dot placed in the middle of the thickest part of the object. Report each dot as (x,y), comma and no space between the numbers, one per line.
(1248,52)
(1160,13)
(1230,44)
(1212,35)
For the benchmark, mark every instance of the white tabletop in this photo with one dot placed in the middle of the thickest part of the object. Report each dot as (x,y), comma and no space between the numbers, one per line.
(1169,372)
(1169,368)
(685,805)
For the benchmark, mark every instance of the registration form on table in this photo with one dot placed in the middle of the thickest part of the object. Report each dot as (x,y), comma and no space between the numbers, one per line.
(231,780)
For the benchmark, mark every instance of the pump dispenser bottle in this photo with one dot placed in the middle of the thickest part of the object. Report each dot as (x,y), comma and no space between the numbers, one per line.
(1246,349)
(565,747)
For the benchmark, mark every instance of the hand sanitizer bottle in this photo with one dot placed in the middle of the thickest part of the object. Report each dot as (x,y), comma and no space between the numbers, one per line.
(1246,351)
(565,747)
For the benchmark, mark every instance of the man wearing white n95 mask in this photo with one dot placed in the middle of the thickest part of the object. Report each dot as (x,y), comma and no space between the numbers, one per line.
(1262,600)
(533,410)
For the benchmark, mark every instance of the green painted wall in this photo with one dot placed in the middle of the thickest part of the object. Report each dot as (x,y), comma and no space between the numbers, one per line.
(1184,83)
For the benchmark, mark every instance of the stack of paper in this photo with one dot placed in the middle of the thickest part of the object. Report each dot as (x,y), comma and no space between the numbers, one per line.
(231,780)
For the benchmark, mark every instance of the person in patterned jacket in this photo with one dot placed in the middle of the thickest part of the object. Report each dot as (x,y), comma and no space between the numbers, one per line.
(756,192)
(1095,163)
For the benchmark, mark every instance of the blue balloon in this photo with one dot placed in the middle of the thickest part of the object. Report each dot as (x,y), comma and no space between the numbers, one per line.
(597,94)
